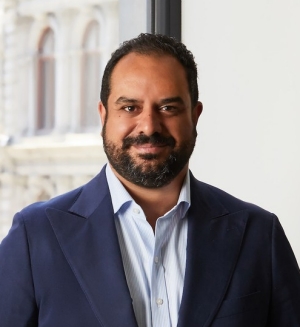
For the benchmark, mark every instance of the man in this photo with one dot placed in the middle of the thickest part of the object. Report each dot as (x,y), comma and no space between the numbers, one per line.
(144,243)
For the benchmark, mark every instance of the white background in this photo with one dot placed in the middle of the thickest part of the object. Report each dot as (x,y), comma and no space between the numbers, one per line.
(248,55)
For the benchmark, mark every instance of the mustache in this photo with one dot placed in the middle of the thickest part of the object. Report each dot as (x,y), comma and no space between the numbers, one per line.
(154,139)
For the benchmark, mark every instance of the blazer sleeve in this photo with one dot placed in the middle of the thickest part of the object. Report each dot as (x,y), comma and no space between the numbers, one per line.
(17,301)
(285,306)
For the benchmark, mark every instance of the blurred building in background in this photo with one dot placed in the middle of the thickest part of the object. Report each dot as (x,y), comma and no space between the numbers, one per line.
(52,56)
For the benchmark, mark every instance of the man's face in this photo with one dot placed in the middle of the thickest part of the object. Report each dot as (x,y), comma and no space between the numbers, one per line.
(149,127)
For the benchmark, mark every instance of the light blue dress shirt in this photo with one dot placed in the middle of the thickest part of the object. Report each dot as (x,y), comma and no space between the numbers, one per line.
(154,263)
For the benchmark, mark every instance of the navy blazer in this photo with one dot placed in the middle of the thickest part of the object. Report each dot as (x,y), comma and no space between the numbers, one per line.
(61,266)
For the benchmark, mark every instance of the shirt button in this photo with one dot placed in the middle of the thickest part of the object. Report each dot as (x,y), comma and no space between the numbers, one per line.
(159,301)
(136,210)
(156,259)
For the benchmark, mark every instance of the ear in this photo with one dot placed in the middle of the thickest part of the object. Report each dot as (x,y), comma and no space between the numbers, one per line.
(102,112)
(197,112)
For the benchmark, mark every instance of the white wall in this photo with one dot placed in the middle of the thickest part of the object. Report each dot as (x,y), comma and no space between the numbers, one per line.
(132,18)
(248,54)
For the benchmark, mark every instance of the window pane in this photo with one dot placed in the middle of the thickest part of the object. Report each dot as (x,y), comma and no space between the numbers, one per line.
(46,82)
(90,76)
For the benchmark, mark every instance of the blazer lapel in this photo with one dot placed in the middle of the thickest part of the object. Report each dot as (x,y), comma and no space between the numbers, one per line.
(88,239)
(214,241)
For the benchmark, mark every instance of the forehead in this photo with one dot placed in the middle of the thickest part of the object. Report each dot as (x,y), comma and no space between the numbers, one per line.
(137,70)
(151,60)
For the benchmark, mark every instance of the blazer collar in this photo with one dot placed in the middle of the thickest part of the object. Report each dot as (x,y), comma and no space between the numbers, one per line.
(91,196)
(88,238)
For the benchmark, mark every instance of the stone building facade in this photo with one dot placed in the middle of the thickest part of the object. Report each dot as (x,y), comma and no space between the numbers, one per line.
(52,55)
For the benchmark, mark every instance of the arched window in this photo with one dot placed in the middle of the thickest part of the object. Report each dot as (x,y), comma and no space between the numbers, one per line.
(46,83)
(90,77)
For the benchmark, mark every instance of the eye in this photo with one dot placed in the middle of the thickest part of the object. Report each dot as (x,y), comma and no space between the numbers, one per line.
(129,108)
(167,108)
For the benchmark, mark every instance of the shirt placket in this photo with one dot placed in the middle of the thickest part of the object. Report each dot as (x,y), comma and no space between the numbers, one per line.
(159,295)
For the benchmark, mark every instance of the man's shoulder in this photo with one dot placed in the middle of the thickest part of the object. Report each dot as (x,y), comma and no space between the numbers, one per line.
(227,200)
(63,202)
(60,202)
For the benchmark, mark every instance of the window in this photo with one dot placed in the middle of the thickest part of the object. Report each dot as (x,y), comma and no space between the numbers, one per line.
(46,83)
(91,75)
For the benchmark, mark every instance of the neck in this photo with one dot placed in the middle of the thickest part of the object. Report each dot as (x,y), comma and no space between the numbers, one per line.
(155,202)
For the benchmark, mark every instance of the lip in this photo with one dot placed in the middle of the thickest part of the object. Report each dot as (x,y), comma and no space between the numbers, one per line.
(149,148)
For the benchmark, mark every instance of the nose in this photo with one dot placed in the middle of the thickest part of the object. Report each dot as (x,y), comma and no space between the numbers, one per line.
(150,122)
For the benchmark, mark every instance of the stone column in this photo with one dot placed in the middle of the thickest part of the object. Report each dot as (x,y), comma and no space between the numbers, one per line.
(9,64)
(63,89)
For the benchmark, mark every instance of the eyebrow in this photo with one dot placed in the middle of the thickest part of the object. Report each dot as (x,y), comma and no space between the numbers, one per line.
(122,100)
(172,100)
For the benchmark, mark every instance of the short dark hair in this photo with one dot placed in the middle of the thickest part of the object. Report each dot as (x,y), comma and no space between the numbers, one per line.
(147,44)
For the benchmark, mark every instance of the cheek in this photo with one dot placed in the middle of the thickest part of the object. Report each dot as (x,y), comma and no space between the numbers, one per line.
(183,131)
(117,128)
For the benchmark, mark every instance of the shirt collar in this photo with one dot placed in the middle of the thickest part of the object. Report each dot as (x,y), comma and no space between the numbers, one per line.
(120,196)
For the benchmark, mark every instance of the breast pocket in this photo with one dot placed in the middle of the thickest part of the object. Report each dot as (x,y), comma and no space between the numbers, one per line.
(238,305)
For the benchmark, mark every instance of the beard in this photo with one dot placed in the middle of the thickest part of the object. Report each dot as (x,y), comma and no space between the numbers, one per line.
(153,172)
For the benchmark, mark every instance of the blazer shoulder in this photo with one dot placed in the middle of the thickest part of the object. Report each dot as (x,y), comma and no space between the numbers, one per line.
(64,201)
(230,202)
(61,202)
